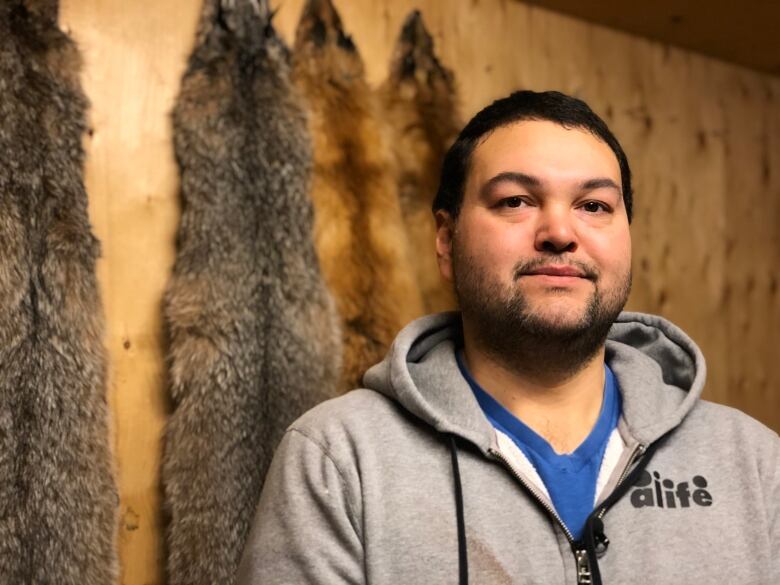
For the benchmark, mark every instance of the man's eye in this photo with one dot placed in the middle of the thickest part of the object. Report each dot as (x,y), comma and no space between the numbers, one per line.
(512,202)
(594,207)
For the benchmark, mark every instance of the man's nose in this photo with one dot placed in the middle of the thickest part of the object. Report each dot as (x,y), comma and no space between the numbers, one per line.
(555,232)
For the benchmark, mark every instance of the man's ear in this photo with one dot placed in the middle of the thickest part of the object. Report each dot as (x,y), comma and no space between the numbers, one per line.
(445,229)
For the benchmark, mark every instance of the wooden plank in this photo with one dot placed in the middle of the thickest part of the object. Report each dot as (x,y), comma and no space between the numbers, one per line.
(752,245)
(134,57)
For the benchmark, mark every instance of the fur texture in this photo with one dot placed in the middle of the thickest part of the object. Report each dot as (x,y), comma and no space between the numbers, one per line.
(360,235)
(420,108)
(253,333)
(58,500)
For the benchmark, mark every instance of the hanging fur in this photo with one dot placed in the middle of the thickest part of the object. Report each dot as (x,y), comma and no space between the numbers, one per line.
(360,235)
(253,333)
(420,107)
(58,499)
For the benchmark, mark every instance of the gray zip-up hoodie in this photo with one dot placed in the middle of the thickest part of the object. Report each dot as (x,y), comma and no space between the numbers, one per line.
(370,487)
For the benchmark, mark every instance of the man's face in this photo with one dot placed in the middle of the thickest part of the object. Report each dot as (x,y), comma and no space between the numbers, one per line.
(542,240)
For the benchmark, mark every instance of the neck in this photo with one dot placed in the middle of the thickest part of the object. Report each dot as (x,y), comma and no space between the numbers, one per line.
(561,406)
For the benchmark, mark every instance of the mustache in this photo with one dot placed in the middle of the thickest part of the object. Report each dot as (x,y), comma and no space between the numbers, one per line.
(527,266)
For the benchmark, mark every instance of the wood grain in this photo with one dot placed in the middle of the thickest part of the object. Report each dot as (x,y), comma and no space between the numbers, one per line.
(134,55)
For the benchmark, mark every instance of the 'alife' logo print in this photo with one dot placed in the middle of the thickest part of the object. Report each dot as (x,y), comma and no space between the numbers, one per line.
(651,490)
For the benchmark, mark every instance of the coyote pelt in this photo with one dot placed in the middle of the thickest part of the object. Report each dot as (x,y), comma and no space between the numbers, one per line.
(420,110)
(360,237)
(58,499)
(254,339)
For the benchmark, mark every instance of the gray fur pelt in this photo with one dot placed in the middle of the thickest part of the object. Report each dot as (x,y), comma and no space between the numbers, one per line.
(253,333)
(58,500)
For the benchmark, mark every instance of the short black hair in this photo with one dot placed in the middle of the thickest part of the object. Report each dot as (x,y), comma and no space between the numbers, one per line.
(552,106)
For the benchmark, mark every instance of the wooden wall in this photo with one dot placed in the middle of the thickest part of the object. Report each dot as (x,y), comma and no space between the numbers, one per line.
(703,138)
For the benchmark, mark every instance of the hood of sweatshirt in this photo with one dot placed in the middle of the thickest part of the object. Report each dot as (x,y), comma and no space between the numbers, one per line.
(659,369)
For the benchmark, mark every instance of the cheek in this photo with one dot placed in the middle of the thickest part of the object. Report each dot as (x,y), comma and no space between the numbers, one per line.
(612,253)
(495,244)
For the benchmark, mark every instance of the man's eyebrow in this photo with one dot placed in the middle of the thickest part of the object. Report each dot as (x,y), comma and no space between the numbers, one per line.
(600,183)
(511,177)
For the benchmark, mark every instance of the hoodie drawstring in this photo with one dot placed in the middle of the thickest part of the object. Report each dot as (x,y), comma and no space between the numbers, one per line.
(463,562)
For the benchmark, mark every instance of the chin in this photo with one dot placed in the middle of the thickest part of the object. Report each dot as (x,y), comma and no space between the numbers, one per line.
(563,310)
(559,317)
(562,322)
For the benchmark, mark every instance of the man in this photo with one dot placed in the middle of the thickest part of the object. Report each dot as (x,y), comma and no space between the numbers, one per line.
(540,435)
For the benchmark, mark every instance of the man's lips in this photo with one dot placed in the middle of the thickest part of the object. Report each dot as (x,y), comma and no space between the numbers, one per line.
(556,271)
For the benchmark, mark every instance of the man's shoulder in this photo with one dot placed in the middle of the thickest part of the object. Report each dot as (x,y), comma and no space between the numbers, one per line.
(352,415)
(344,407)
(727,420)
(731,435)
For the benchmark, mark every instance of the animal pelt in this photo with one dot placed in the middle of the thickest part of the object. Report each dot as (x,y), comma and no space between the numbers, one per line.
(253,333)
(58,499)
(359,230)
(419,100)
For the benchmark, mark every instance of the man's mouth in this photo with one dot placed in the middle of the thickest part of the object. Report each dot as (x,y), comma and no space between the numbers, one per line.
(561,271)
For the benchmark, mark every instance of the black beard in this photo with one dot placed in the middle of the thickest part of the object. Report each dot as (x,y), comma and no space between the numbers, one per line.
(517,339)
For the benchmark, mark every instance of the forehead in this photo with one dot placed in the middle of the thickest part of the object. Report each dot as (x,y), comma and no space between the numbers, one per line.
(544,149)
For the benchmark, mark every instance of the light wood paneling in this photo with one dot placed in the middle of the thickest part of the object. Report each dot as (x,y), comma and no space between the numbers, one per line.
(703,138)
(134,56)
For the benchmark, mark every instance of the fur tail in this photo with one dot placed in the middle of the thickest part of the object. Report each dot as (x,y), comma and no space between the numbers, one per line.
(58,499)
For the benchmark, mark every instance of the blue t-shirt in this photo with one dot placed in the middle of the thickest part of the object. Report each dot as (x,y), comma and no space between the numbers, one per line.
(570,479)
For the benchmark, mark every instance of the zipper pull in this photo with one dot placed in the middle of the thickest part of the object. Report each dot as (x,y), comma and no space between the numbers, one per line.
(584,576)
(601,540)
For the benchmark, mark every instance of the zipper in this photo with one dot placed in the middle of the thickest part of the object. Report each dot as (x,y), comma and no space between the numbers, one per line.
(584,576)
(584,573)
(639,450)
(498,455)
